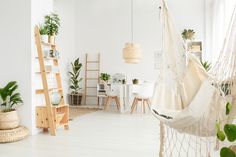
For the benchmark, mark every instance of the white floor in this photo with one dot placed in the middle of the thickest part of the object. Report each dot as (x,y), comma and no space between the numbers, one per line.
(99,134)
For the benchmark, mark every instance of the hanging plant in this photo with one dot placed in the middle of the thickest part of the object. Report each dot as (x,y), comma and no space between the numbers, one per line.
(228,132)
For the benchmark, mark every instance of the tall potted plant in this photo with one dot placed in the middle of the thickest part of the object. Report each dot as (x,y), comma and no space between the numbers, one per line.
(9,100)
(51,24)
(75,96)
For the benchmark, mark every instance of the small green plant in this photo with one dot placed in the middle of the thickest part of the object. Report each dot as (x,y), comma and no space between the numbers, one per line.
(206,65)
(52,24)
(105,77)
(74,76)
(9,98)
(228,132)
(188,34)
(42,30)
(135,81)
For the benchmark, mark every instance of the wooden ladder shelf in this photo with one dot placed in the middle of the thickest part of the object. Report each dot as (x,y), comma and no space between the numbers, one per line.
(49,116)
(96,78)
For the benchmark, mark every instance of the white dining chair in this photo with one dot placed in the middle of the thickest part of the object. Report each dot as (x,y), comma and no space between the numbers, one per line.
(112,94)
(143,95)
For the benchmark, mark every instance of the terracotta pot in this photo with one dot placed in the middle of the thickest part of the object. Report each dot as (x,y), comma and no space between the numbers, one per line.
(51,39)
(9,120)
(75,99)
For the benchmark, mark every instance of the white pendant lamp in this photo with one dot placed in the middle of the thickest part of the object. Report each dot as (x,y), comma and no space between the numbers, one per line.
(131,51)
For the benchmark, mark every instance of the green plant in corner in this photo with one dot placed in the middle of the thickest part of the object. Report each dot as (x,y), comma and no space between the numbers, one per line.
(52,24)
(74,76)
(188,34)
(229,133)
(105,77)
(206,65)
(9,98)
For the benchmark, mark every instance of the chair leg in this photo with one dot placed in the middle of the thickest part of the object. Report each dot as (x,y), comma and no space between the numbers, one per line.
(107,103)
(133,105)
(117,103)
(143,101)
(148,104)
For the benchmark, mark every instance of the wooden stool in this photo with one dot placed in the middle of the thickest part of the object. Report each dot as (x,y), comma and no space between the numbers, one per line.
(109,100)
(144,101)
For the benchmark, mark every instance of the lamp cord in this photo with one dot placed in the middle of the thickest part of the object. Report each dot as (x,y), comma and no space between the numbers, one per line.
(132,18)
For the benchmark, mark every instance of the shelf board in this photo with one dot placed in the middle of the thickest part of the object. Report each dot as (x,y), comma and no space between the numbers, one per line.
(48,58)
(57,107)
(41,91)
(47,44)
(92,78)
(48,72)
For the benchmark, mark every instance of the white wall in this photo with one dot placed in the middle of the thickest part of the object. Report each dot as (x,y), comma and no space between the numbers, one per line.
(104,26)
(66,38)
(15,51)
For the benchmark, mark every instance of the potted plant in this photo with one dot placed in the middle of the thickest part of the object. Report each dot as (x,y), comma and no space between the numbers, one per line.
(75,97)
(135,81)
(9,100)
(188,34)
(105,77)
(51,24)
(43,33)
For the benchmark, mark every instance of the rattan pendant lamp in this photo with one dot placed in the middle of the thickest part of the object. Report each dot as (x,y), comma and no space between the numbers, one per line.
(131,51)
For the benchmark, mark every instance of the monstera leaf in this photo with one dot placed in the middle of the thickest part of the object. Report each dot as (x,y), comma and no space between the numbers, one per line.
(226,152)
(230,131)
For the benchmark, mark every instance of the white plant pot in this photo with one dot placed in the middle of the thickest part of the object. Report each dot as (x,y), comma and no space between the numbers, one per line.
(9,120)
(44,38)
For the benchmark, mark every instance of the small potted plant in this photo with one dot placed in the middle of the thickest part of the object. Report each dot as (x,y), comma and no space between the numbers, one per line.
(52,24)
(105,77)
(135,81)
(188,34)
(43,33)
(9,100)
(75,97)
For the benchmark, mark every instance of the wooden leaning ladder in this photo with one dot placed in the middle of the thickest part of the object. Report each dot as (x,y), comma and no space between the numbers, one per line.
(87,71)
(49,116)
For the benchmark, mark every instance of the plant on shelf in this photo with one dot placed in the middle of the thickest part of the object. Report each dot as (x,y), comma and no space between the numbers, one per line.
(75,95)
(9,100)
(188,34)
(135,81)
(51,24)
(228,132)
(105,77)
(206,65)
(43,33)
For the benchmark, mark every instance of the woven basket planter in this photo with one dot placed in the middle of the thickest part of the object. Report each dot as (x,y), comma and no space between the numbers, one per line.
(13,135)
(9,120)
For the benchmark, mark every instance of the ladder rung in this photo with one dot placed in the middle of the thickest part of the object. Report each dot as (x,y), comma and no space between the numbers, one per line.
(40,91)
(92,70)
(92,61)
(91,87)
(92,78)
(48,72)
(91,95)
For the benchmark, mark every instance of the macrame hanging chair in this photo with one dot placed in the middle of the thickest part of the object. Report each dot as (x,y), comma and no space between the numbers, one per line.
(187,98)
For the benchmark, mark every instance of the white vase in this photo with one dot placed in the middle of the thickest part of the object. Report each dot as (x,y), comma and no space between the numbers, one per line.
(55,98)
(44,38)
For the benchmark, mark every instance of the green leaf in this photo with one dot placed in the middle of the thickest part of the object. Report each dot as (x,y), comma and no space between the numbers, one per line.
(226,152)
(230,131)
(228,108)
(221,135)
